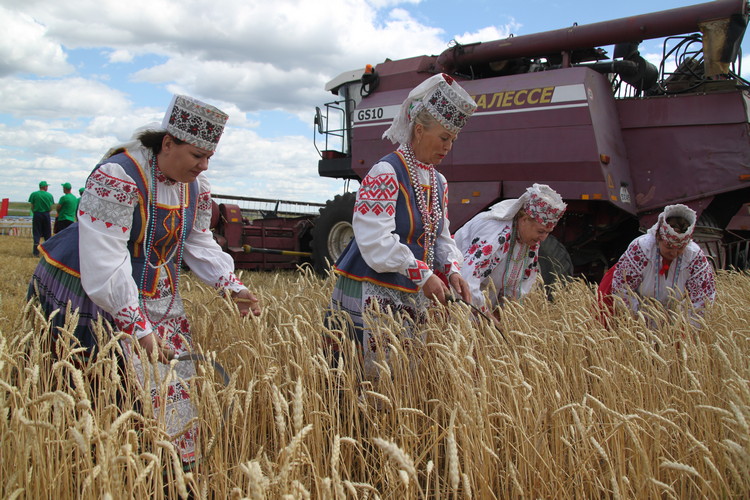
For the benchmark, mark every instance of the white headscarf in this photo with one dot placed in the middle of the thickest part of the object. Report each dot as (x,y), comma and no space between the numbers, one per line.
(540,202)
(667,232)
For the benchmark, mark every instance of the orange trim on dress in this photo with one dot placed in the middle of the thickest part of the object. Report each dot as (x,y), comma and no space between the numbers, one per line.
(58,264)
(374,281)
(138,243)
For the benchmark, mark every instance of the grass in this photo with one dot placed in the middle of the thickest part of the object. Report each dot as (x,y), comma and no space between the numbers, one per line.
(564,409)
(19,208)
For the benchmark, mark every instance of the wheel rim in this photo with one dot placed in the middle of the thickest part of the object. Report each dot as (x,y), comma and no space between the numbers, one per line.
(338,238)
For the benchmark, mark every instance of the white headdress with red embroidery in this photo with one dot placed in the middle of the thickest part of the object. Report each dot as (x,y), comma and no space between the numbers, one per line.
(442,97)
(194,122)
(540,202)
(663,230)
(544,205)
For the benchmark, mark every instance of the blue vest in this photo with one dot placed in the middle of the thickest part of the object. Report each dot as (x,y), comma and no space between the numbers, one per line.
(63,252)
(409,229)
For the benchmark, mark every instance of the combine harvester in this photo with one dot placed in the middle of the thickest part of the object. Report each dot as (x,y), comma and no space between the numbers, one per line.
(618,137)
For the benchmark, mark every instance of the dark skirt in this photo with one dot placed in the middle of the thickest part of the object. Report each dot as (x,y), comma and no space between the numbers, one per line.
(61,291)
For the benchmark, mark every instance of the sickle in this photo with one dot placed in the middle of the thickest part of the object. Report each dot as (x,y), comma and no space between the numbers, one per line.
(451,298)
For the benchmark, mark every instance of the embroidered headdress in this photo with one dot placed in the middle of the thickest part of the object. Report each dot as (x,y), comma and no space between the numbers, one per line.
(442,97)
(194,122)
(540,202)
(663,230)
(544,205)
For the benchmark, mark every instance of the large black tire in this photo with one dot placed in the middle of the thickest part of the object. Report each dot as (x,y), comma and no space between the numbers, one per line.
(709,235)
(554,261)
(332,231)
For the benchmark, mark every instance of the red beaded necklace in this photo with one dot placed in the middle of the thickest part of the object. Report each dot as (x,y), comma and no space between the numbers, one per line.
(429,210)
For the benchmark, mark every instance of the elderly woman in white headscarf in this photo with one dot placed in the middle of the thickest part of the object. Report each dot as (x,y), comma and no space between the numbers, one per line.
(501,246)
(665,265)
(401,231)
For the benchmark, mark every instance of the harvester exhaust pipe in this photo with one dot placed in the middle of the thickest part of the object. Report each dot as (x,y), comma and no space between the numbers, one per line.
(627,29)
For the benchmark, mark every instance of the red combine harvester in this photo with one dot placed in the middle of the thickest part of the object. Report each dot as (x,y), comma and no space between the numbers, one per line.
(619,138)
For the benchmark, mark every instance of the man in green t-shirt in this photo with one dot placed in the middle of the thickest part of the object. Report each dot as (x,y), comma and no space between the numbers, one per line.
(41,224)
(66,209)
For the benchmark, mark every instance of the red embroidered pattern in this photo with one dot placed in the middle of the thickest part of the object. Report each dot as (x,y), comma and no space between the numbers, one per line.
(629,272)
(131,320)
(543,212)
(107,186)
(230,281)
(419,273)
(484,257)
(701,285)
(377,194)
(203,215)
(113,201)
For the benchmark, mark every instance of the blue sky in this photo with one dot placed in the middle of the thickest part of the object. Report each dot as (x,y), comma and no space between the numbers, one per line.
(79,76)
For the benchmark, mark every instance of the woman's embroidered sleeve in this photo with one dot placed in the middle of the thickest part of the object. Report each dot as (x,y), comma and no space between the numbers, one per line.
(105,218)
(374,223)
(488,247)
(701,285)
(628,276)
(132,321)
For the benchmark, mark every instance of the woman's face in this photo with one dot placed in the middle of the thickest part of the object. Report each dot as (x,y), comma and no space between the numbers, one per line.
(430,145)
(182,162)
(531,232)
(668,251)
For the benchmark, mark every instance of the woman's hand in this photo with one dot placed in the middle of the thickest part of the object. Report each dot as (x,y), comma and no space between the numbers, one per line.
(459,284)
(435,289)
(246,302)
(151,342)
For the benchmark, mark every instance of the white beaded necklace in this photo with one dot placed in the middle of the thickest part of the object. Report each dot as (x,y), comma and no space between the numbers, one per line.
(149,242)
(429,210)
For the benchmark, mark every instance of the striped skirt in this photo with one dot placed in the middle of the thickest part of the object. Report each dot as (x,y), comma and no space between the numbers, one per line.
(352,300)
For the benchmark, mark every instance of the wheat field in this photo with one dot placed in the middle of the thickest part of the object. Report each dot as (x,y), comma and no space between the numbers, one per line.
(564,408)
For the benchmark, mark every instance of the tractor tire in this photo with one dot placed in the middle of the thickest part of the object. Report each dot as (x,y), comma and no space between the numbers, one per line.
(554,261)
(709,235)
(332,232)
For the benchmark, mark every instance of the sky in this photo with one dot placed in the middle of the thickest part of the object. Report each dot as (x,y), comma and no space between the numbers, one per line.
(79,76)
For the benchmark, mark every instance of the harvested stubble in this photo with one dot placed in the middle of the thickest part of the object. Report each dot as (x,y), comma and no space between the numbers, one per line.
(564,409)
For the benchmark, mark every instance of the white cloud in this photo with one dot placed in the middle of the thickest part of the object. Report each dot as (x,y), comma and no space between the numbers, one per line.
(489,33)
(25,47)
(63,98)
(120,56)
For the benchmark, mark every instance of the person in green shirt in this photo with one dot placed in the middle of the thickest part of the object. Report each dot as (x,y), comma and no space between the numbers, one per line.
(41,224)
(66,209)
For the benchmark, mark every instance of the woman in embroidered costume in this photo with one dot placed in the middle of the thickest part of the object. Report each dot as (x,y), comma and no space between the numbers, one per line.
(401,228)
(501,246)
(146,209)
(663,265)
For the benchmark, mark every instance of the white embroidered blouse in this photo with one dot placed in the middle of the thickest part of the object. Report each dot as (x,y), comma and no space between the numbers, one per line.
(105,219)
(374,224)
(690,279)
(489,267)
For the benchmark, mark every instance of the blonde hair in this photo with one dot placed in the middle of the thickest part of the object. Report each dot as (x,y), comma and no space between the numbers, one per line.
(425,119)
